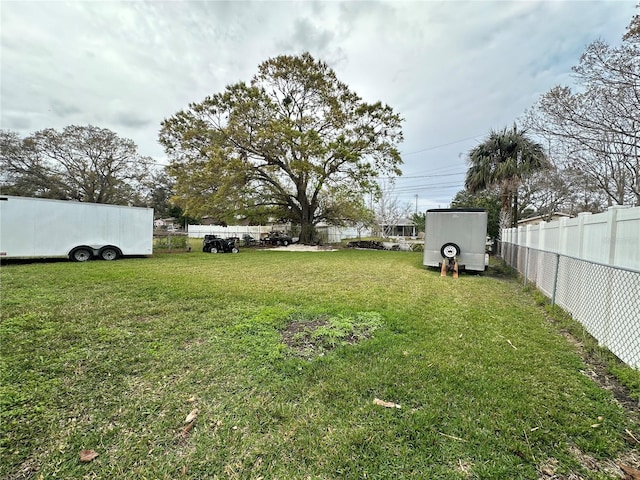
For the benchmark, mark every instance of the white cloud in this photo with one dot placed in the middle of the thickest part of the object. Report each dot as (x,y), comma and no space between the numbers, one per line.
(452,69)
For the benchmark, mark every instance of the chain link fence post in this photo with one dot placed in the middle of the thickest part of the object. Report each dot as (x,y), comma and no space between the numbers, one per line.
(555,279)
(526,265)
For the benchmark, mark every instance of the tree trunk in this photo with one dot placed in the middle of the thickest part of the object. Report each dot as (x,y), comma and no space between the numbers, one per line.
(307,227)
(505,221)
(307,233)
(506,207)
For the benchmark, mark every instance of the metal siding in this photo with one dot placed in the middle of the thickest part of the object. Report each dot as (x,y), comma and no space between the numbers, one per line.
(33,227)
(467,229)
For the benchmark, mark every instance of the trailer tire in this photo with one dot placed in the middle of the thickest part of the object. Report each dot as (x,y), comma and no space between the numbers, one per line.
(81,254)
(213,250)
(109,253)
(235,250)
(450,250)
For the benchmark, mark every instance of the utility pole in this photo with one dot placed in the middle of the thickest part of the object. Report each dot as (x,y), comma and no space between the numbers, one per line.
(416,203)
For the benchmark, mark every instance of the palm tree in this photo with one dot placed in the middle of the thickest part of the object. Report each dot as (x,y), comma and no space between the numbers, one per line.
(503,160)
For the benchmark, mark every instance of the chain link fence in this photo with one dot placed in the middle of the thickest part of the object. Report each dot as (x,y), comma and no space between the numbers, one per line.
(604,299)
(170,242)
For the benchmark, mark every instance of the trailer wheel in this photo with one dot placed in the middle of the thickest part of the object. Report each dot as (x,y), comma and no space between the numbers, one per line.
(450,250)
(213,250)
(235,250)
(109,253)
(285,242)
(81,254)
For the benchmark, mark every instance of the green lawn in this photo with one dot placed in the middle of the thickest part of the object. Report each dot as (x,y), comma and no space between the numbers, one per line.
(112,356)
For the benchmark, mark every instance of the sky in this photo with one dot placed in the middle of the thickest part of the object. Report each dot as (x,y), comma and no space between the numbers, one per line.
(453,70)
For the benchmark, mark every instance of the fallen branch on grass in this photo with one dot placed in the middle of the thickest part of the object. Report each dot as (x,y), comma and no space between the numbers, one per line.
(452,437)
(382,403)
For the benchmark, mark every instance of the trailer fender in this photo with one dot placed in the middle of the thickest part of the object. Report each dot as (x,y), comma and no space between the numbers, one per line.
(450,250)
(110,252)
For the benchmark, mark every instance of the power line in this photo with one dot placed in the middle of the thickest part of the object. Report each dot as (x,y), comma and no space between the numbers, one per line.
(419,188)
(427,186)
(428,176)
(443,145)
(430,181)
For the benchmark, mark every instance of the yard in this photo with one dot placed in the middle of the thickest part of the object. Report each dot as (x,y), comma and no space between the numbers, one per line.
(277,358)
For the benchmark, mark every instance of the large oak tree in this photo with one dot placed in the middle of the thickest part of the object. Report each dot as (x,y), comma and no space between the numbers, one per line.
(84,163)
(294,144)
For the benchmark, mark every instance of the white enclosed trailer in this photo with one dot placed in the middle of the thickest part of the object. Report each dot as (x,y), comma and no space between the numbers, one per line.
(456,236)
(41,228)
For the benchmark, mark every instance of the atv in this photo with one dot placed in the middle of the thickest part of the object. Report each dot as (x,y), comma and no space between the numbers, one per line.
(277,238)
(213,244)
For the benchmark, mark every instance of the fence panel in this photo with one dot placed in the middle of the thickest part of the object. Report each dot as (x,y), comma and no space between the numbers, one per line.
(595,238)
(627,248)
(546,278)
(604,299)
(199,231)
(611,238)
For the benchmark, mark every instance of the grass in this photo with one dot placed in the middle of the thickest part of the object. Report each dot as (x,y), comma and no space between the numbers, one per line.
(112,356)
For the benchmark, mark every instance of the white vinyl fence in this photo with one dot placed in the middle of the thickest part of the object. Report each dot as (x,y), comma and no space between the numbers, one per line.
(199,231)
(590,266)
(327,234)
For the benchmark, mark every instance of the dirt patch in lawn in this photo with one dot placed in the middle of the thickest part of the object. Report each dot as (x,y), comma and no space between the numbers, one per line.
(298,336)
(597,371)
(317,335)
(625,466)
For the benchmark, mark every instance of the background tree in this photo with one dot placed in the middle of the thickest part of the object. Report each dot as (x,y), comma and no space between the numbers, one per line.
(356,214)
(598,124)
(559,190)
(159,190)
(89,164)
(420,220)
(291,142)
(158,195)
(633,30)
(488,199)
(24,172)
(504,160)
(389,209)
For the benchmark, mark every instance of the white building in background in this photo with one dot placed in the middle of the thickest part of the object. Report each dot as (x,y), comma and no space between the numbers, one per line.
(543,218)
(165,223)
(403,227)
